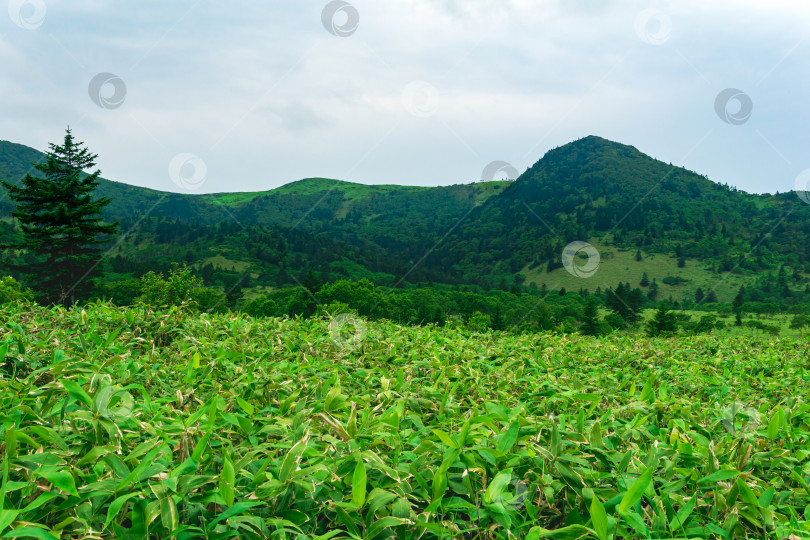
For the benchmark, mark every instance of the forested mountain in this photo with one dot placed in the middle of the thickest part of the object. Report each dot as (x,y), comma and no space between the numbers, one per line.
(645,216)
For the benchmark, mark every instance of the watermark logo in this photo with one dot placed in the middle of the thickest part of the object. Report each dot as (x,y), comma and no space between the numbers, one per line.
(108,91)
(27,14)
(579,250)
(497,170)
(340,18)
(802,186)
(728,112)
(187,171)
(113,403)
(421,99)
(653,26)
(738,419)
(347,331)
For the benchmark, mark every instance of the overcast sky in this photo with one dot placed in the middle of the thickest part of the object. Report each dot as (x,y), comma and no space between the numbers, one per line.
(209,96)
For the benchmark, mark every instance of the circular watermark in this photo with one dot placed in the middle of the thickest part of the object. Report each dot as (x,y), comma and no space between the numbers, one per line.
(727,112)
(738,418)
(187,171)
(499,168)
(576,250)
(653,26)
(802,186)
(108,91)
(27,14)
(421,99)
(347,331)
(114,403)
(340,18)
(515,499)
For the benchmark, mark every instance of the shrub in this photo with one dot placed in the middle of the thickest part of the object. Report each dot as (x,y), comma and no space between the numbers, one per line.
(178,288)
(12,291)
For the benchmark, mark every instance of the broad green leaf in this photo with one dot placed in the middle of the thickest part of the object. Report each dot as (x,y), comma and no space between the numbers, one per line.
(168,514)
(226,481)
(635,492)
(116,506)
(682,516)
(291,460)
(498,485)
(359,484)
(718,476)
(59,478)
(30,532)
(599,519)
(445,438)
(509,437)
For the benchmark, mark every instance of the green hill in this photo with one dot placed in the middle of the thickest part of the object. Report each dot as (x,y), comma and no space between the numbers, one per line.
(689,231)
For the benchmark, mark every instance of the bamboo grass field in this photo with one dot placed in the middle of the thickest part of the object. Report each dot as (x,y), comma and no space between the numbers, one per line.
(140,423)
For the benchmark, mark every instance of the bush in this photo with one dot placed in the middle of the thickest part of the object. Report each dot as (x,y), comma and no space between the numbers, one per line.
(178,288)
(12,291)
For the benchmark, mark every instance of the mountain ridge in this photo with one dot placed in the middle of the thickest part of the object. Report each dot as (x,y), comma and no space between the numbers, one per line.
(488,234)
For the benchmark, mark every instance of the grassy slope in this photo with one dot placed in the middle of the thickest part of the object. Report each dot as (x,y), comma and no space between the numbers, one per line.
(619,264)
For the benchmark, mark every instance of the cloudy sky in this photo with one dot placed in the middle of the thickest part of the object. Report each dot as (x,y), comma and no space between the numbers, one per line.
(205,96)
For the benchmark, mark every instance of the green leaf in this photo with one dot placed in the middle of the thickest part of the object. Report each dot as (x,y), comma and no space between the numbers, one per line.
(359,484)
(385,523)
(508,438)
(291,460)
(775,423)
(226,481)
(77,392)
(498,485)
(445,438)
(59,478)
(245,406)
(599,519)
(683,514)
(237,508)
(719,476)
(6,518)
(30,532)
(168,514)
(635,492)
(635,521)
(116,506)
(571,532)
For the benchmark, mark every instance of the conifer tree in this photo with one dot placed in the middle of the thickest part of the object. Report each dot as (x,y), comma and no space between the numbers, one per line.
(63,229)
(590,317)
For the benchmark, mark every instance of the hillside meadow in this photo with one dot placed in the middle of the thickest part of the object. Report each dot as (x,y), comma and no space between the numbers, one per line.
(133,423)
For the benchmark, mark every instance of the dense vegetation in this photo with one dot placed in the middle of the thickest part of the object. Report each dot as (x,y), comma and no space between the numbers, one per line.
(491,235)
(137,423)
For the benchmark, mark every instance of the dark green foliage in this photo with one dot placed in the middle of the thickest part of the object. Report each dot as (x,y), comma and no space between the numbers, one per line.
(62,223)
(664,322)
(645,280)
(464,234)
(625,302)
(799,321)
(497,319)
(590,317)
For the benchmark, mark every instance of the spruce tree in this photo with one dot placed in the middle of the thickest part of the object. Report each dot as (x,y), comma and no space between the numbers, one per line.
(664,322)
(590,317)
(62,225)
(645,280)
